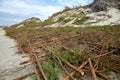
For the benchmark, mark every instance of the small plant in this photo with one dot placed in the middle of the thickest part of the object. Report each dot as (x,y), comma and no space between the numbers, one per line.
(82,12)
(47,22)
(74,16)
(81,21)
(66,20)
(64,29)
(60,19)
(74,56)
(66,9)
(52,69)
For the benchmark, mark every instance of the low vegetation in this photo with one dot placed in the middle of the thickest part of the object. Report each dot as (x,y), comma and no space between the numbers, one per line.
(99,43)
(81,21)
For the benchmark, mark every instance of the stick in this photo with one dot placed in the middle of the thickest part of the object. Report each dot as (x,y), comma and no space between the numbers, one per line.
(96,65)
(34,63)
(25,62)
(35,67)
(65,69)
(43,74)
(25,76)
(73,67)
(102,75)
(92,69)
(21,50)
(105,53)
(67,77)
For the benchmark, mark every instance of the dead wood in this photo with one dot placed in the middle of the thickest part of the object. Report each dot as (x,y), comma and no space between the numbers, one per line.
(73,67)
(35,67)
(92,69)
(98,59)
(105,54)
(71,76)
(21,50)
(102,75)
(47,45)
(67,77)
(40,67)
(25,76)
(25,62)
(33,59)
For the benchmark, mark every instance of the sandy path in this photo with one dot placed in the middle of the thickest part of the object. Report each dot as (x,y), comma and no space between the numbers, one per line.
(9,60)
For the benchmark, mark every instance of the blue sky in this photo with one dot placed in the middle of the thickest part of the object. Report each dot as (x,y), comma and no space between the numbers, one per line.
(15,11)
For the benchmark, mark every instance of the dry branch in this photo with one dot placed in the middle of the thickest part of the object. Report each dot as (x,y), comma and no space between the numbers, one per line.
(73,67)
(92,69)
(25,76)
(64,69)
(102,75)
(35,67)
(67,77)
(21,50)
(33,59)
(40,67)
(105,53)
(25,62)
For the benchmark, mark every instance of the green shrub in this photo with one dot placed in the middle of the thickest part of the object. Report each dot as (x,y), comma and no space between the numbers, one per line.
(66,9)
(52,69)
(74,16)
(81,21)
(66,20)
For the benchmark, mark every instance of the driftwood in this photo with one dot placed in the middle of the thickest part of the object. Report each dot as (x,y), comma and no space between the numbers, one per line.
(92,69)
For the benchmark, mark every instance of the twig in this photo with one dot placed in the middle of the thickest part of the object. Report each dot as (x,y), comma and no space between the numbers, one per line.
(25,62)
(67,77)
(39,64)
(102,75)
(105,54)
(35,67)
(92,69)
(98,59)
(73,67)
(64,69)
(25,76)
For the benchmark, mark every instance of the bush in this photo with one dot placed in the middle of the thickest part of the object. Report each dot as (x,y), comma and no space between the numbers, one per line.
(81,21)
(52,69)
(66,9)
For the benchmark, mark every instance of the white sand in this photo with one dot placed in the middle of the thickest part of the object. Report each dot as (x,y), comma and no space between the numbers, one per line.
(102,20)
(9,60)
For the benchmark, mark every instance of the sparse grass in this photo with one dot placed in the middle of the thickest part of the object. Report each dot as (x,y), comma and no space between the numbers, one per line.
(56,14)
(47,22)
(66,20)
(67,29)
(60,19)
(74,16)
(81,12)
(81,21)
